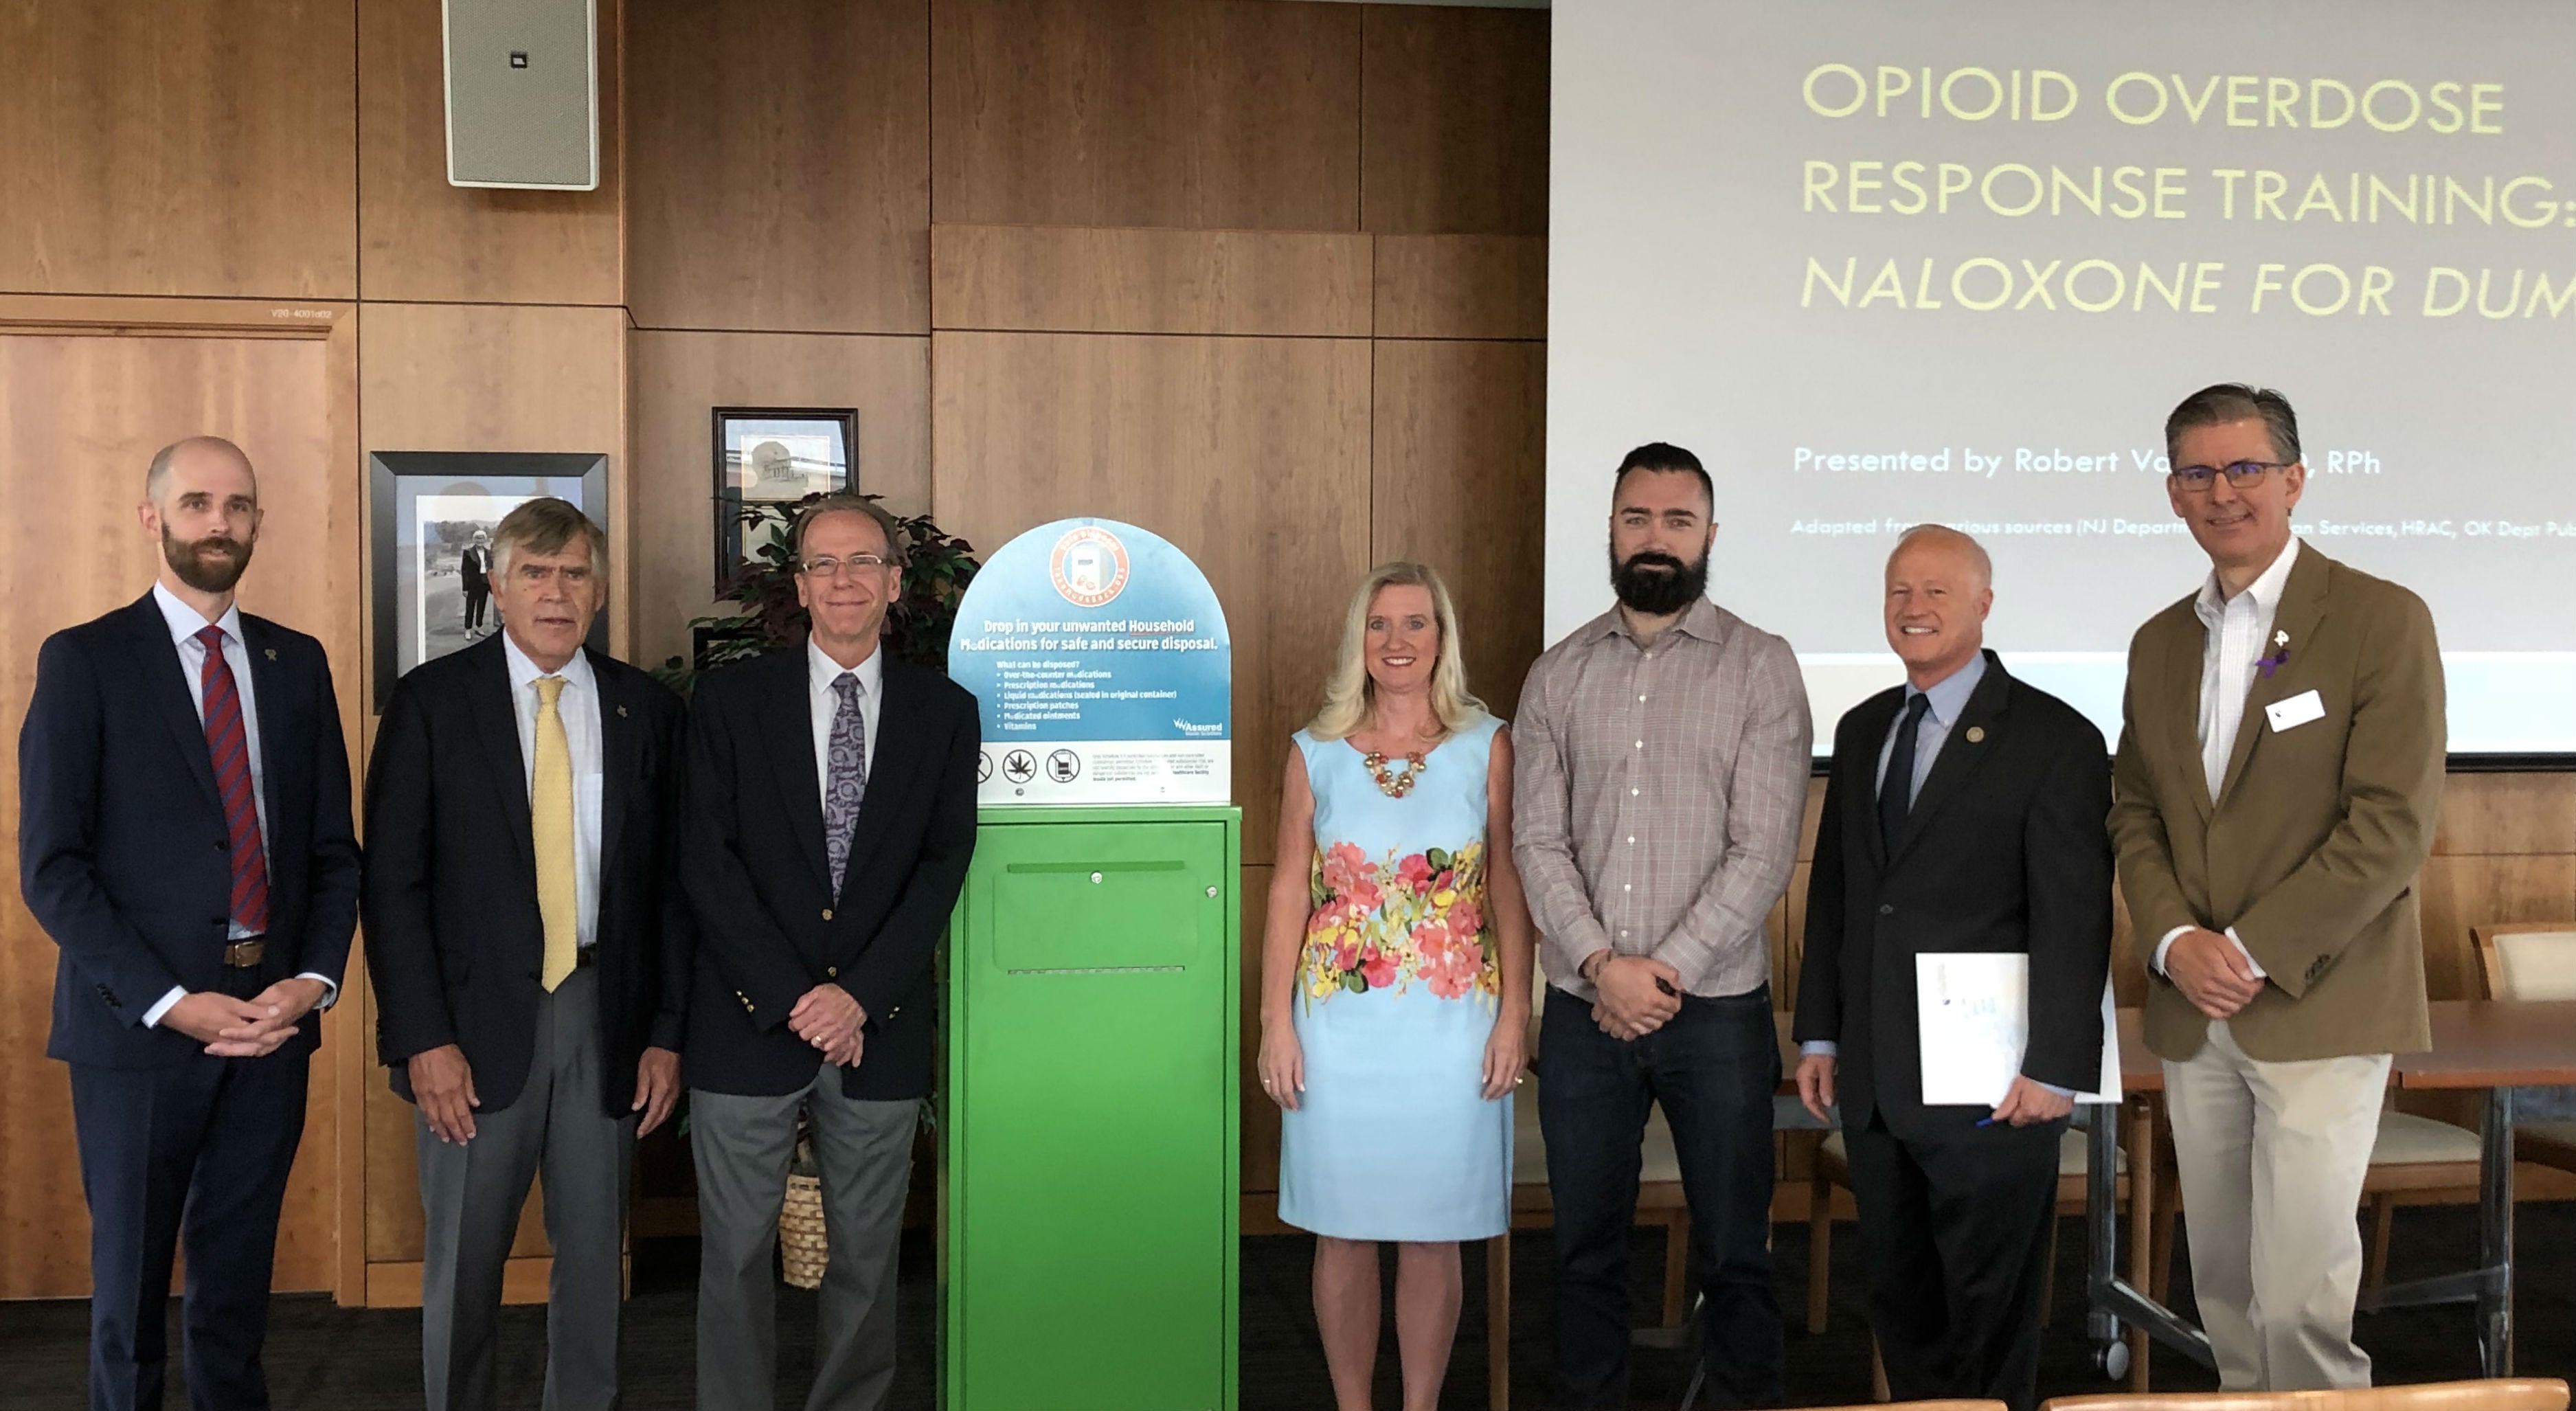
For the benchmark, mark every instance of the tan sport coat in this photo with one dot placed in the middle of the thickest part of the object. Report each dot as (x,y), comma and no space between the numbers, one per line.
(2312,846)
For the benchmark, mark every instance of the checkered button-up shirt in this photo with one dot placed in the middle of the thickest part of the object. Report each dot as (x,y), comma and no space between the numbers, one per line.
(1658,794)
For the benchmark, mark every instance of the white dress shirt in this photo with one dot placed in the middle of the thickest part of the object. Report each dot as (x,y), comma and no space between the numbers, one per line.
(578,705)
(185,623)
(821,671)
(2238,634)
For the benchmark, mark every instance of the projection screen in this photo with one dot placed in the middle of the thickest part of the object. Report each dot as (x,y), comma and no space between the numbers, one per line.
(1882,263)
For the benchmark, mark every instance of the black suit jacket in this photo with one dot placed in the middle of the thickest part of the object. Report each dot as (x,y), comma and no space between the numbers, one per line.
(769,927)
(474,567)
(123,854)
(2005,849)
(454,937)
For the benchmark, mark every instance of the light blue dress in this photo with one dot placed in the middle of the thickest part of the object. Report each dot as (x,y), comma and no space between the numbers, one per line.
(1397,989)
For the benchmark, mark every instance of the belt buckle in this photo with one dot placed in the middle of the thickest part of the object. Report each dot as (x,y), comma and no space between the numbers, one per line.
(242,955)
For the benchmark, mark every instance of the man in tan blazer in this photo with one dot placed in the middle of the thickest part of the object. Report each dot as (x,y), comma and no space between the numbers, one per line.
(2279,767)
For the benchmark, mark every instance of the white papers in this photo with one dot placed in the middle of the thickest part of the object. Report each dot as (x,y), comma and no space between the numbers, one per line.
(1973,1010)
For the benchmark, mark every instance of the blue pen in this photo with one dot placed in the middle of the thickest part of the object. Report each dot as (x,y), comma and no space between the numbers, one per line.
(1985,1121)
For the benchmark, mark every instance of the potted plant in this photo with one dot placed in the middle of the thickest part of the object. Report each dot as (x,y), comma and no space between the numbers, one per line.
(937,566)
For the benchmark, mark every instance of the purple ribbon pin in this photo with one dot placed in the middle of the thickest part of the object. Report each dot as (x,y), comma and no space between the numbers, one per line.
(2279,658)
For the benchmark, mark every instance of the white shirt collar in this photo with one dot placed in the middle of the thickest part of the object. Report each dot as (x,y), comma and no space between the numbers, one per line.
(2265,591)
(576,672)
(822,671)
(186,622)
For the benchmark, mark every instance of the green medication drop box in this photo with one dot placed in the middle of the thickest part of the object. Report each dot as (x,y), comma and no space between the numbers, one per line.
(1090,1115)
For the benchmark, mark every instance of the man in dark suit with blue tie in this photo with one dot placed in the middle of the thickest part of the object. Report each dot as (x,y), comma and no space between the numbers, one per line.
(831,797)
(1965,813)
(184,837)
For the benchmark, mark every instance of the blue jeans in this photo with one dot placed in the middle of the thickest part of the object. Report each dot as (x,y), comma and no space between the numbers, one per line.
(1713,1067)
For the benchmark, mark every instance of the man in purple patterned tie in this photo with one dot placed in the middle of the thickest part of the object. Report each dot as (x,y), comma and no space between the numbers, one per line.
(831,807)
(184,837)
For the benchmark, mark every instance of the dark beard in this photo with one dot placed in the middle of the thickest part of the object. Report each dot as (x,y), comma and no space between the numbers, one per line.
(1658,594)
(201,573)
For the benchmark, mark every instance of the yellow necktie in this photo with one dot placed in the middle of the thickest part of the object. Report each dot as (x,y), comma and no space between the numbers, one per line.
(550,821)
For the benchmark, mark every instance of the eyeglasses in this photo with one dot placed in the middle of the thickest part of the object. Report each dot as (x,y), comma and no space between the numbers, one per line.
(2242,475)
(831,567)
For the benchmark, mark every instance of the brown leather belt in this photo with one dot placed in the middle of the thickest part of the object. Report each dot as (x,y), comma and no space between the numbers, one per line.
(242,955)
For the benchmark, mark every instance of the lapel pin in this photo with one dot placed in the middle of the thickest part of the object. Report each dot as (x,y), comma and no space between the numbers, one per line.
(271,653)
(1976,734)
(621,711)
(2279,658)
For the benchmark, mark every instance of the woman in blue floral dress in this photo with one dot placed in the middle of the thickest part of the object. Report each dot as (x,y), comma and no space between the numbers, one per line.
(1395,982)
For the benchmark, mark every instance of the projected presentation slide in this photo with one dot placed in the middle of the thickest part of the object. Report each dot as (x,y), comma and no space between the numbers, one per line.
(1882,263)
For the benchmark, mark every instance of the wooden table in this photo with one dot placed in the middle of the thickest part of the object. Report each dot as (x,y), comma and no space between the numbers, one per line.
(2490,1044)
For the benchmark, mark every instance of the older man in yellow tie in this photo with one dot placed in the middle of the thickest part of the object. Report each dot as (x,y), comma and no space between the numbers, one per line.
(529,952)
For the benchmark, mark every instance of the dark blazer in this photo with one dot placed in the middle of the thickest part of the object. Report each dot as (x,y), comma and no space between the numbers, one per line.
(454,938)
(2004,850)
(123,854)
(769,927)
(474,568)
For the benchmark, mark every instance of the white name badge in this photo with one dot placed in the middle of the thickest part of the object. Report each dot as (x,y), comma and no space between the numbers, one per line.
(2297,710)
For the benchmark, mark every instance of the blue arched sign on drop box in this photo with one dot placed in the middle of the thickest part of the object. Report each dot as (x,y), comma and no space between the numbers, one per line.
(1102,662)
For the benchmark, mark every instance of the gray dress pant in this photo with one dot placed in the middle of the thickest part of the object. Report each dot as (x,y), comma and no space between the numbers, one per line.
(472,1193)
(743,1146)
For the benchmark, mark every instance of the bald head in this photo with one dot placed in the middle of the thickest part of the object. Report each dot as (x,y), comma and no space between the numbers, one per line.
(201,501)
(1940,585)
(193,451)
(1967,554)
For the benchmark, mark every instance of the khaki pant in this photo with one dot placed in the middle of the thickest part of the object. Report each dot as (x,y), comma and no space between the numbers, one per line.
(2272,1158)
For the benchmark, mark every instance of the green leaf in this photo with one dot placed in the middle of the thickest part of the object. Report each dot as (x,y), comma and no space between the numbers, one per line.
(1438,858)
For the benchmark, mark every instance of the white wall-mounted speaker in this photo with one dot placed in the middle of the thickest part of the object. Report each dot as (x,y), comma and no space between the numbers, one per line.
(523,93)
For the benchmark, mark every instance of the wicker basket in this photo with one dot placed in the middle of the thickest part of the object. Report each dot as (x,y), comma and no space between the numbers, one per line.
(801,1246)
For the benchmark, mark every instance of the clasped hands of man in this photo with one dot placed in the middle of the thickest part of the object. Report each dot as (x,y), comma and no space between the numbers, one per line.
(442,1082)
(2212,972)
(244,1028)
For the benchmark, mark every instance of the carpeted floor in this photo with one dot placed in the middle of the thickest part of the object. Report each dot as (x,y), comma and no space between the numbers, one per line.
(322,1356)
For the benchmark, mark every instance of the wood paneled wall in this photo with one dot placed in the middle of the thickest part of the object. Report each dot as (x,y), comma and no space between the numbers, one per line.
(781,158)
(420,239)
(201,147)
(1268,277)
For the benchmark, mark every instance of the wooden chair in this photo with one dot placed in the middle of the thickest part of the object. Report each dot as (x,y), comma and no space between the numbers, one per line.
(2426,1158)
(2504,1394)
(1960,1404)
(2532,960)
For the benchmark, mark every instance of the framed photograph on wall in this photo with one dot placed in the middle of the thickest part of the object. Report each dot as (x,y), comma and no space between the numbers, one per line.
(433,513)
(776,455)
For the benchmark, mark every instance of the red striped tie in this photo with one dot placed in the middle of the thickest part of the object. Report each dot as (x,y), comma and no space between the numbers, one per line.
(229,745)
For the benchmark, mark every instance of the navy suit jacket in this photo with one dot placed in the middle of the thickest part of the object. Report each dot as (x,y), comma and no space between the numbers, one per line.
(123,855)
(2005,849)
(454,938)
(769,926)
